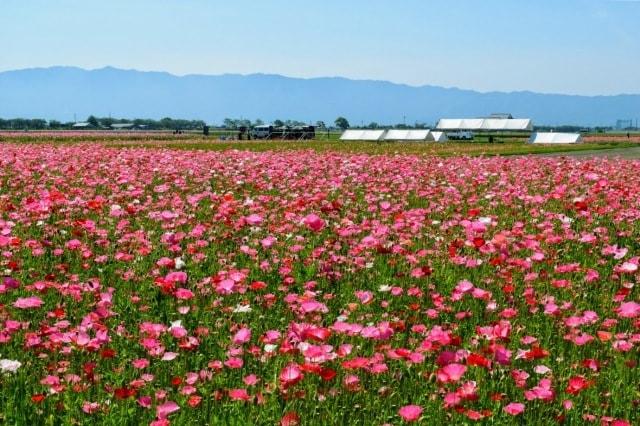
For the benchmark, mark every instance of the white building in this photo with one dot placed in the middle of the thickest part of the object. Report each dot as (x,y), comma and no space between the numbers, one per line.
(486,124)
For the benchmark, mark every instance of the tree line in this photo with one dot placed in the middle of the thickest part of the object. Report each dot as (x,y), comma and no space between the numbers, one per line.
(93,122)
(168,123)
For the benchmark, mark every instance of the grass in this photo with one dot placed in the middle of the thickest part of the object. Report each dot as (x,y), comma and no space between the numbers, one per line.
(449,149)
(504,146)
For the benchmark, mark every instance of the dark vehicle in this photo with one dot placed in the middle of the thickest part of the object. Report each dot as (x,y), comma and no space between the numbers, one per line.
(244,133)
(284,132)
(304,133)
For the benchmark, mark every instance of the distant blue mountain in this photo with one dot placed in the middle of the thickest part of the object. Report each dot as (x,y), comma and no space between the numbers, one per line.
(60,92)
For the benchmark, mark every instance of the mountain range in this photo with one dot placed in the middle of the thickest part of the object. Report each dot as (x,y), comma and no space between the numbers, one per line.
(63,93)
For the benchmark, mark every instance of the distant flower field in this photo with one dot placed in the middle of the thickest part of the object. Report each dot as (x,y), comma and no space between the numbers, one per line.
(159,286)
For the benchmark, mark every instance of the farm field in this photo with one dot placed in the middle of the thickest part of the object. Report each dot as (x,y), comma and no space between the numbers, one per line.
(185,282)
(506,147)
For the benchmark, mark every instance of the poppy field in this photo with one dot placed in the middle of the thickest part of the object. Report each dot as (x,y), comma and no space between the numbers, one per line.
(298,287)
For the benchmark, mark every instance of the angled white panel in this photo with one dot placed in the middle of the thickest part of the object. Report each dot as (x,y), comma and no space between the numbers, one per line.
(555,138)
(488,124)
(407,135)
(439,136)
(362,135)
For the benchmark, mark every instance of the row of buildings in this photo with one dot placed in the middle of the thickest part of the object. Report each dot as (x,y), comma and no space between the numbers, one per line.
(466,129)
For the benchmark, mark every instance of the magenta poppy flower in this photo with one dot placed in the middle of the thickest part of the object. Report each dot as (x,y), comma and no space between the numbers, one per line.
(629,310)
(451,373)
(410,413)
(253,219)
(514,408)
(32,302)
(314,222)
(291,375)
(164,410)
(242,336)
(239,395)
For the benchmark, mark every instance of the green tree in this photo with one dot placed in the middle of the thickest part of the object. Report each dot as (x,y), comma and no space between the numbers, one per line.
(278,123)
(107,122)
(93,121)
(38,124)
(342,123)
(230,123)
(244,123)
(167,123)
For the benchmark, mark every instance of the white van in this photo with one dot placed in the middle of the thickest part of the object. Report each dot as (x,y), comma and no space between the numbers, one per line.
(261,132)
(460,135)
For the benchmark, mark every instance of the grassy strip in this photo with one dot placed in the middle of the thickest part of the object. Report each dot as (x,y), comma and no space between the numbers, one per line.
(449,149)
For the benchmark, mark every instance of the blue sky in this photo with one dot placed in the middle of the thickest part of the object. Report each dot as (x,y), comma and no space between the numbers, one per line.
(560,46)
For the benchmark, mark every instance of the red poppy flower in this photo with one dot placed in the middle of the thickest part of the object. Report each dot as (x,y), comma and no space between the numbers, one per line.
(124,393)
(38,398)
(290,419)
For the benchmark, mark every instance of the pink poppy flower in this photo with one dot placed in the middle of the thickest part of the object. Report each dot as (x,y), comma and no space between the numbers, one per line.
(234,363)
(514,408)
(629,310)
(314,222)
(166,409)
(90,407)
(239,395)
(410,413)
(140,363)
(28,303)
(290,375)
(176,277)
(627,267)
(226,287)
(145,401)
(451,373)
(242,336)
(184,294)
(253,219)
(250,380)
(169,356)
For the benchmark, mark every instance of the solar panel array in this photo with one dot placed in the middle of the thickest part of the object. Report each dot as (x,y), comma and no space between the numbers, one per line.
(393,135)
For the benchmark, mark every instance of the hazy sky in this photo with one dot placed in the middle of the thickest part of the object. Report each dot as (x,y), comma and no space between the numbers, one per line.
(563,46)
